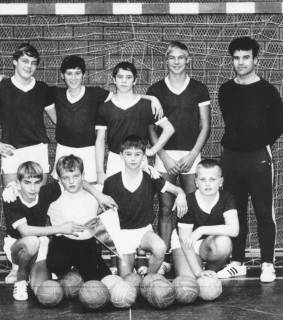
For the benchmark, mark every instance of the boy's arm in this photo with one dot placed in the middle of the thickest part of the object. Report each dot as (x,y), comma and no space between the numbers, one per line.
(156,106)
(171,165)
(99,155)
(180,203)
(187,161)
(189,252)
(230,228)
(66,228)
(104,200)
(167,132)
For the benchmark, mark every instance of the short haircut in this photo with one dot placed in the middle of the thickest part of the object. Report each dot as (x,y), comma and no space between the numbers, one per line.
(209,163)
(133,141)
(27,49)
(69,163)
(72,62)
(176,44)
(244,43)
(28,170)
(125,65)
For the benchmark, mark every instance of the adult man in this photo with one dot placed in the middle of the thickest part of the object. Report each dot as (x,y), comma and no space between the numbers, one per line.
(253,115)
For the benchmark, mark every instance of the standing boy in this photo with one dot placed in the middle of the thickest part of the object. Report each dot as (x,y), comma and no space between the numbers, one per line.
(204,233)
(133,190)
(22,104)
(76,110)
(253,115)
(125,114)
(186,103)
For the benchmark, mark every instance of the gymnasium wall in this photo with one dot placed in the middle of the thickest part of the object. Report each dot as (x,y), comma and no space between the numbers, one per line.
(104,38)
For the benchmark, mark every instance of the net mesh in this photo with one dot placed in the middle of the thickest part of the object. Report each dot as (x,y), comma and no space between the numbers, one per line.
(104,41)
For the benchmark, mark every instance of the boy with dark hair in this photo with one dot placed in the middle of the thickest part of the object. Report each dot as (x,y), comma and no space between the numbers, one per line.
(204,233)
(252,110)
(26,243)
(76,112)
(186,104)
(75,204)
(22,103)
(133,190)
(76,115)
(125,114)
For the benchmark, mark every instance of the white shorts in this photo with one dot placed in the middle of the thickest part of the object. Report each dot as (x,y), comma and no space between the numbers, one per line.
(130,239)
(87,154)
(42,251)
(176,155)
(37,153)
(115,163)
(175,242)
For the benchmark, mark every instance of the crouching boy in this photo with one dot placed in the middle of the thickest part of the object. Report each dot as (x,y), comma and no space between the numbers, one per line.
(204,233)
(133,190)
(26,242)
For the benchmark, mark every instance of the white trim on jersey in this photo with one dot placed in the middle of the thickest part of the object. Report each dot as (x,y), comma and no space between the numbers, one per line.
(51,106)
(21,87)
(100,127)
(29,204)
(19,222)
(203,206)
(177,91)
(73,100)
(204,104)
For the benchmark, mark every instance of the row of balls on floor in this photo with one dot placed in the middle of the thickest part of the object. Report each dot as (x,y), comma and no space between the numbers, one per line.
(158,291)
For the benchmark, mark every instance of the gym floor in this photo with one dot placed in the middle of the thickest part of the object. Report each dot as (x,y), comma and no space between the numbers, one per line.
(242,298)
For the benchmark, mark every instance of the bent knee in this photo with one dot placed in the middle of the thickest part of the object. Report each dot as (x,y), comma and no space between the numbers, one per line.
(31,244)
(221,245)
(159,248)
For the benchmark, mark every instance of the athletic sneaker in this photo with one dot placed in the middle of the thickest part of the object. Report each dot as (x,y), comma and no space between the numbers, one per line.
(20,292)
(267,272)
(164,268)
(12,276)
(232,270)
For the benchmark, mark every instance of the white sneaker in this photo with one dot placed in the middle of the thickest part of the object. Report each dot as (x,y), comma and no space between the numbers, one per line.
(12,276)
(267,272)
(232,270)
(164,268)
(20,292)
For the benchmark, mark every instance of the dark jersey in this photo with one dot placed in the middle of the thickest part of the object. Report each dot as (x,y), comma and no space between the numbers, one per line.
(35,215)
(135,208)
(253,115)
(21,114)
(75,125)
(182,110)
(198,217)
(122,123)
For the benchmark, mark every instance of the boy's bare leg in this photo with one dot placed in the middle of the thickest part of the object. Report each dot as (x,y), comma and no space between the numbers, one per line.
(215,250)
(126,264)
(155,245)
(181,266)
(166,202)
(188,183)
(38,275)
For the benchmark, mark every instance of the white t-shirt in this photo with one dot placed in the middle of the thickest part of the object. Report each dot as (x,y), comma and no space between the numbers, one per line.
(77,207)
